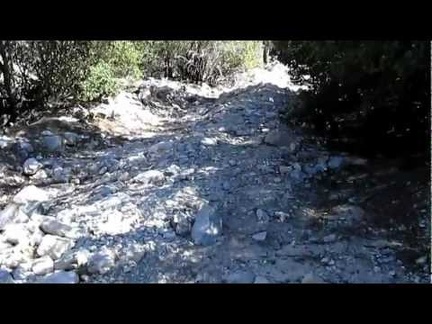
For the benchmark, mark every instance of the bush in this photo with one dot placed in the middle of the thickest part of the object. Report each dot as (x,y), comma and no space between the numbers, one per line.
(124,58)
(199,61)
(100,82)
(374,94)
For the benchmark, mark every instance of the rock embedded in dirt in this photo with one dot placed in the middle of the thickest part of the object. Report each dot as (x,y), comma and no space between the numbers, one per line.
(150,177)
(310,278)
(60,277)
(51,143)
(261,236)
(207,226)
(101,262)
(262,216)
(240,277)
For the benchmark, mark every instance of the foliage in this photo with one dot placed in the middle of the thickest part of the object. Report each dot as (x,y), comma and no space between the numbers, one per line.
(100,82)
(375,93)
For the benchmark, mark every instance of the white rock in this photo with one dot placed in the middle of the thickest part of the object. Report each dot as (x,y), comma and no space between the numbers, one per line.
(150,177)
(29,194)
(43,266)
(31,166)
(209,141)
(54,246)
(16,233)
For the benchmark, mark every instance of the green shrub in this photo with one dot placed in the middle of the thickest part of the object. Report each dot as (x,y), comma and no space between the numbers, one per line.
(100,82)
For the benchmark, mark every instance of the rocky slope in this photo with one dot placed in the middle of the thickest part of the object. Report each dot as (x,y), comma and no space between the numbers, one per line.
(181,183)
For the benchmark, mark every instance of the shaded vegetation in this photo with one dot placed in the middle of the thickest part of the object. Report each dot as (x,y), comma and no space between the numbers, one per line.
(370,97)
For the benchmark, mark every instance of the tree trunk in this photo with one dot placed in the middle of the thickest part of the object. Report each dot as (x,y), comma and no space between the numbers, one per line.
(266,52)
(7,79)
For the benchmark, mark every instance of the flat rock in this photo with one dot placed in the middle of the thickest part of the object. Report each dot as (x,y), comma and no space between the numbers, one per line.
(60,277)
(30,193)
(310,278)
(261,280)
(241,277)
(261,236)
(55,227)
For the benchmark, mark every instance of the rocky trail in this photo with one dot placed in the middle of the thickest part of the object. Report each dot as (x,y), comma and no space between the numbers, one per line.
(175,183)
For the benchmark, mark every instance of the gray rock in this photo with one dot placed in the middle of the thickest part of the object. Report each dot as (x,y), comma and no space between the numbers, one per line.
(240,277)
(72,260)
(54,227)
(160,147)
(60,174)
(261,280)
(52,143)
(335,162)
(5,277)
(60,277)
(43,266)
(330,238)
(207,226)
(297,175)
(101,262)
(283,169)
(31,166)
(71,138)
(150,177)
(262,216)
(54,246)
(279,137)
(310,278)
(261,236)
(22,150)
